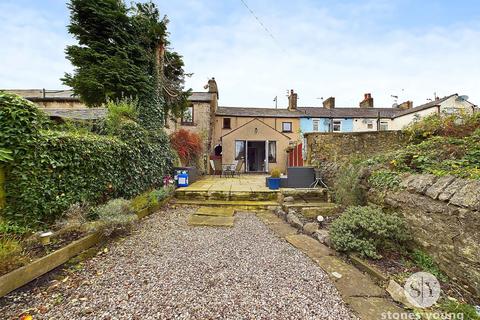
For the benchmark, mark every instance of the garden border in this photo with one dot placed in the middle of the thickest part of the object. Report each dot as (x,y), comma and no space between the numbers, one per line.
(25,274)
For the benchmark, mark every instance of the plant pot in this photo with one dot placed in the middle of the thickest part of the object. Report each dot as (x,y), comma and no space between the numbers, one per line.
(273,183)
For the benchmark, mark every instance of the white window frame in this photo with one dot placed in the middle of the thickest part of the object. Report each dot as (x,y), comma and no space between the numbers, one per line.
(336,121)
(385,123)
(317,123)
(289,123)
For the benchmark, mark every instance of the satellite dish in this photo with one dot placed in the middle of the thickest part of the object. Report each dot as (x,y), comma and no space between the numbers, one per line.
(462,98)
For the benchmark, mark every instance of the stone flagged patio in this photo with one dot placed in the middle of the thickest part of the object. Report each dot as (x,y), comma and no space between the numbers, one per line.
(212,217)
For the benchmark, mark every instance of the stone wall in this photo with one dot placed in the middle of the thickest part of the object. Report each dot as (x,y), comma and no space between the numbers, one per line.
(337,147)
(443,214)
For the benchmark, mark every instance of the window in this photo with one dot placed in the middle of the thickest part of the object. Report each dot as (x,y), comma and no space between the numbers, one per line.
(337,126)
(316,125)
(383,125)
(272,151)
(187,118)
(226,123)
(286,127)
(239,149)
(369,124)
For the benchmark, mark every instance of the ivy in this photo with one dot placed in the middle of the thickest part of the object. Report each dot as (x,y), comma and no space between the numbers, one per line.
(52,170)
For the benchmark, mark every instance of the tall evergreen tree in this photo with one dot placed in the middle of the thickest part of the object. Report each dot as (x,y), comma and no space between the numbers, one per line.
(117,56)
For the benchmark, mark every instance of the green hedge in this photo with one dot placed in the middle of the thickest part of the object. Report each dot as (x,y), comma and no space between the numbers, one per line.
(52,169)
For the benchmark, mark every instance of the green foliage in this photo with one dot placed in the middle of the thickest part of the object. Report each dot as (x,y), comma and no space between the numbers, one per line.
(384,180)
(157,196)
(10,228)
(117,57)
(21,122)
(347,190)
(455,307)
(275,173)
(452,125)
(366,230)
(115,216)
(52,170)
(5,155)
(119,112)
(10,250)
(141,201)
(426,263)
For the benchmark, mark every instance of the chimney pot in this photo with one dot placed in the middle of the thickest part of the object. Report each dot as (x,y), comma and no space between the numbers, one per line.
(367,101)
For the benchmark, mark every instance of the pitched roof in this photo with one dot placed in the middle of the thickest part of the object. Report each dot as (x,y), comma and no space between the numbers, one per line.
(201,97)
(255,119)
(425,106)
(257,112)
(319,112)
(44,95)
(76,113)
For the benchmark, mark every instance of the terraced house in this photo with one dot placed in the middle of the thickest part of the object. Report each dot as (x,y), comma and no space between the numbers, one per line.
(262,138)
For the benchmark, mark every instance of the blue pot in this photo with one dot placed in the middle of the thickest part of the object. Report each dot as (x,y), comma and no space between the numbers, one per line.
(274,183)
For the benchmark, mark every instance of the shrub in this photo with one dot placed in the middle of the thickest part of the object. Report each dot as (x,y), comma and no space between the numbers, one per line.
(454,307)
(188,146)
(141,201)
(366,230)
(384,179)
(116,216)
(453,125)
(10,254)
(52,170)
(119,112)
(275,173)
(347,190)
(426,263)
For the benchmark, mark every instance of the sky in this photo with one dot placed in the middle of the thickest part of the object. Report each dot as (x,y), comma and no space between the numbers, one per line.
(320,48)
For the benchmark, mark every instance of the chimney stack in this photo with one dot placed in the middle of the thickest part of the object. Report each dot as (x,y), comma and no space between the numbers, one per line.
(212,87)
(329,103)
(367,101)
(405,105)
(292,100)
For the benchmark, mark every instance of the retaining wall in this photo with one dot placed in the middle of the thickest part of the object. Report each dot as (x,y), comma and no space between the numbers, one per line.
(443,214)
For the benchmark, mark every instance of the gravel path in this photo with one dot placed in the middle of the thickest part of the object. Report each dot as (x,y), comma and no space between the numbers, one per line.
(167,270)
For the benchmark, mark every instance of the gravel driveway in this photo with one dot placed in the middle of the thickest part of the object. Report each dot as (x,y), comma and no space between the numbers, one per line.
(167,270)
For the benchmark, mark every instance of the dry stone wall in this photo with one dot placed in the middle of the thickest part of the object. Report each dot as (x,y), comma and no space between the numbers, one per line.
(443,214)
(336,147)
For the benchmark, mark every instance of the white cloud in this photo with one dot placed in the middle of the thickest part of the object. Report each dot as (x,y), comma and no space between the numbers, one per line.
(328,54)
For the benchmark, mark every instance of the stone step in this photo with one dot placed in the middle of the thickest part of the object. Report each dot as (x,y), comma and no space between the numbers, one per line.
(305,194)
(236,205)
(191,194)
(312,209)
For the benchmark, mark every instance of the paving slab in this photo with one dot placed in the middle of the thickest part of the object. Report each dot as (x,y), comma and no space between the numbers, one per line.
(352,283)
(269,218)
(215,211)
(210,221)
(311,247)
(282,229)
(374,308)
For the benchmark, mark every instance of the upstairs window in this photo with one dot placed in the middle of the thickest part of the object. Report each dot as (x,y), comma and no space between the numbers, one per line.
(337,126)
(316,125)
(187,118)
(286,127)
(226,123)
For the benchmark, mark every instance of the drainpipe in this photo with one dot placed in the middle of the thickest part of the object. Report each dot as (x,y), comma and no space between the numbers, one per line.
(378,121)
